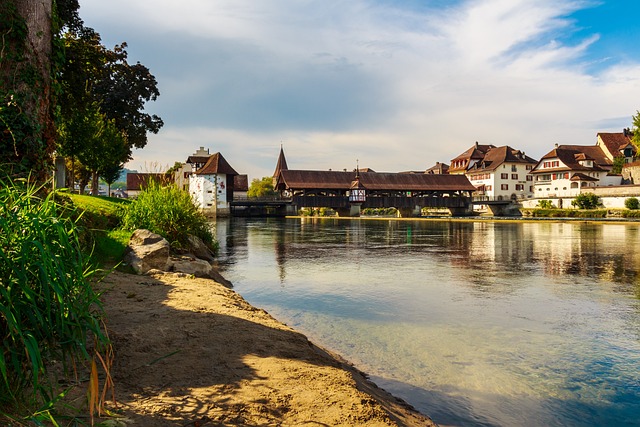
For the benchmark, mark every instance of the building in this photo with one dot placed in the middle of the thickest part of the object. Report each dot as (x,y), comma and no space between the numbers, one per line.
(136,182)
(212,186)
(568,170)
(617,145)
(438,169)
(504,173)
(465,161)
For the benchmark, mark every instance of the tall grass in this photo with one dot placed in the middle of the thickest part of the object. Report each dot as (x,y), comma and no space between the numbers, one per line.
(48,309)
(170,212)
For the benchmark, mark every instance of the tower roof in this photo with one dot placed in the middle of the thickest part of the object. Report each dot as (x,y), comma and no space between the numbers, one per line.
(282,163)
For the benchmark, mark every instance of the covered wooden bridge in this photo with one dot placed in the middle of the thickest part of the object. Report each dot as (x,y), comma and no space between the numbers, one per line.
(348,192)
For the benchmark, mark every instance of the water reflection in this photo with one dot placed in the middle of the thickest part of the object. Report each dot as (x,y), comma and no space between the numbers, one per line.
(475,323)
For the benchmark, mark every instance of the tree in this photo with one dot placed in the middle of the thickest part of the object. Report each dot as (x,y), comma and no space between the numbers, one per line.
(100,121)
(26,122)
(261,187)
(636,129)
(618,163)
(586,201)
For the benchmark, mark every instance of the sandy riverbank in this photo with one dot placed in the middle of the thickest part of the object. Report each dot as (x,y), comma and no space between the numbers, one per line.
(191,352)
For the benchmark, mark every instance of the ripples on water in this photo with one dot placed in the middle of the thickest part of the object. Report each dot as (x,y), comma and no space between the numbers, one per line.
(473,323)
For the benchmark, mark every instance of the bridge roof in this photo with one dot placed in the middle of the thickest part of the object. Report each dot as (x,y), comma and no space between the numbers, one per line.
(334,180)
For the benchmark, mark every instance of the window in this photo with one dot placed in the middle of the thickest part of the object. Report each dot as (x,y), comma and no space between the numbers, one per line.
(529,167)
(519,187)
(504,186)
(514,176)
(529,178)
(514,168)
(531,189)
(504,175)
(489,187)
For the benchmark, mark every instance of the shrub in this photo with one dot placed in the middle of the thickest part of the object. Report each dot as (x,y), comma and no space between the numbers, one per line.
(545,204)
(48,309)
(585,201)
(169,212)
(632,203)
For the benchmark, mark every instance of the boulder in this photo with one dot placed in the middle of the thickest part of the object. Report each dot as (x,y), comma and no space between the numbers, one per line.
(196,267)
(147,251)
(199,249)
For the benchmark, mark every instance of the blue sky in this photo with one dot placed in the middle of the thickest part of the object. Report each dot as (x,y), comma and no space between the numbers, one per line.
(397,85)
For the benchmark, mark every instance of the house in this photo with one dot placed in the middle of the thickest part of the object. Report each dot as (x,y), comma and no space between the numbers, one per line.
(465,161)
(617,145)
(212,186)
(568,170)
(240,186)
(198,159)
(503,173)
(136,182)
(438,169)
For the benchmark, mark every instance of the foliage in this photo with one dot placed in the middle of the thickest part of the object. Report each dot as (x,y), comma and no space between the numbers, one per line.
(261,188)
(630,214)
(564,213)
(545,204)
(22,144)
(379,212)
(169,212)
(632,203)
(317,212)
(636,129)
(585,201)
(618,163)
(48,309)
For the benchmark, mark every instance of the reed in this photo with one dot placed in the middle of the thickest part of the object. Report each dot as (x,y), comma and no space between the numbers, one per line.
(48,308)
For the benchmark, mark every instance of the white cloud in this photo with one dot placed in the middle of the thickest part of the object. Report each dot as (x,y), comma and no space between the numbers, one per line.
(334,81)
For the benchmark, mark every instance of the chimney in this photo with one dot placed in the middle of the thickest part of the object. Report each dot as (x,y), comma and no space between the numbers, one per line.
(476,144)
(556,145)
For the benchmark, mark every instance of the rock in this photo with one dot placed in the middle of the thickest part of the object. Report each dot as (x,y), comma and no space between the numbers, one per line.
(196,267)
(199,249)
(147,251)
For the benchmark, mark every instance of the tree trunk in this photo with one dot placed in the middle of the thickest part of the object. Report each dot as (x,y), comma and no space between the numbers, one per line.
(32,77)
(94,183)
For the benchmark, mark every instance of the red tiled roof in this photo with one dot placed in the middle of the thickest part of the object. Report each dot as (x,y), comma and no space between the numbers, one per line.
(499,155)
(333,180)
(570,154)
(240,183)
(216,164)
(139,181)
(615,141)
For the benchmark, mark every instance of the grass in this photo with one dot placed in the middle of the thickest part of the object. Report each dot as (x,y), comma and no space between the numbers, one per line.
(100,212)
(48,308)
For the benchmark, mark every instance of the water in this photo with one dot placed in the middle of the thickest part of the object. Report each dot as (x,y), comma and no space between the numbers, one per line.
(473,323)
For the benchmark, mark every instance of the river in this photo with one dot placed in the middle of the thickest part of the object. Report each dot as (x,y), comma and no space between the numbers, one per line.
(474,323)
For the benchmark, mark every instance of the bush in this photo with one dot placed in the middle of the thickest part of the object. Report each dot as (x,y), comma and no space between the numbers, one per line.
(545,204)
(48,309)
(169,212)
(632,203)
(585,201)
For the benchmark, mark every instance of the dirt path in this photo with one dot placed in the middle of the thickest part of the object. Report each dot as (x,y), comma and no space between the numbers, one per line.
(191,352)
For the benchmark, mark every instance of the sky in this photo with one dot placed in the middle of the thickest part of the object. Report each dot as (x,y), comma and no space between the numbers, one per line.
(391,85)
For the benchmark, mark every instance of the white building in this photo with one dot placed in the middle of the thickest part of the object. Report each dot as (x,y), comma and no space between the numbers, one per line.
(503,174)
(211,186)
(568,170)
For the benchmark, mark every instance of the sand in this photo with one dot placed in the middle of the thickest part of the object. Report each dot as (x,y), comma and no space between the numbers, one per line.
(192,352)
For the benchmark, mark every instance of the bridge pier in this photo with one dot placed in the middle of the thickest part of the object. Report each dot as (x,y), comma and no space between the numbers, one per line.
(413,212)
(353,210)
(463,211)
